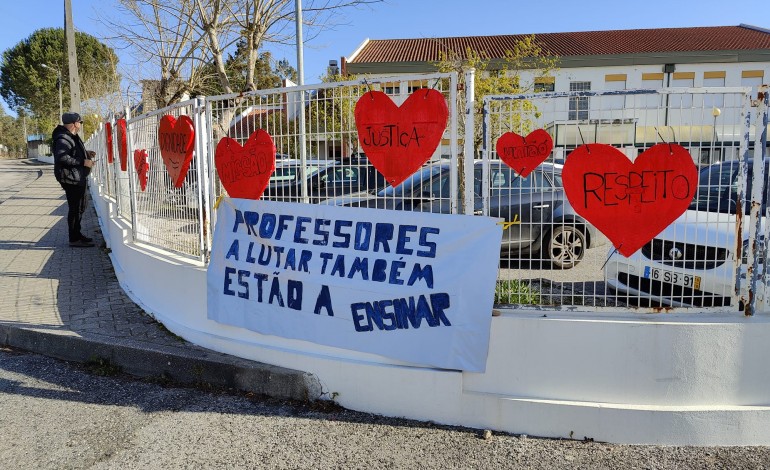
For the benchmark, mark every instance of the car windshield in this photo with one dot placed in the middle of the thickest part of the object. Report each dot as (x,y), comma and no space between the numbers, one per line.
(414,181)
(285,174)
(718,188)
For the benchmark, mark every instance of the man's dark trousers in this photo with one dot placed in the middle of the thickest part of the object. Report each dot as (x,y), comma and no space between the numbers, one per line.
(75,194)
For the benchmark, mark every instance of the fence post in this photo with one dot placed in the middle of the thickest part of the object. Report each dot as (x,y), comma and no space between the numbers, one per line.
(204,193)
(756,255)
(130,170)
(468,147)
(454,184)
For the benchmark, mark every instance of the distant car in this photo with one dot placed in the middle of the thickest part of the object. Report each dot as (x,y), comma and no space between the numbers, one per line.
(692,262)
(538,219)
(324,179)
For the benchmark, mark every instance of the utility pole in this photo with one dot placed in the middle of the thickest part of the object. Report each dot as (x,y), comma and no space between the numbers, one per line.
(69,31)
(301,79)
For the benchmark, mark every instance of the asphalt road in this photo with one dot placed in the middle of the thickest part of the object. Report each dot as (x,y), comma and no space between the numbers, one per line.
(56,415)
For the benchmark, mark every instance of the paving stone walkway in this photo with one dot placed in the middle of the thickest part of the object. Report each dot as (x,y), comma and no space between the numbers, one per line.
(50,292)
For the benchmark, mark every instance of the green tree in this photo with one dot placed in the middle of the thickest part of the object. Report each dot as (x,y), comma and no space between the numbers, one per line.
(265,75)
(497,76)
(26,84)
(331,113)
(500,76)
(12,140)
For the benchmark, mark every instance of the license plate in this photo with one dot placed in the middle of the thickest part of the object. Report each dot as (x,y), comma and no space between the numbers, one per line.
(670,277)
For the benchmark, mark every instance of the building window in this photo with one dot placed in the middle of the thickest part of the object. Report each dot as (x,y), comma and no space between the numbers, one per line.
(752,78)
(713,79)
(417,85)
(682,80)
(390,88)
(545,84)
(652,81)
(615,82)
(578,105)
(708,158)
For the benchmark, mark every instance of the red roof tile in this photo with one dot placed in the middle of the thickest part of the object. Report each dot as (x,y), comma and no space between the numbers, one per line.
(633,41)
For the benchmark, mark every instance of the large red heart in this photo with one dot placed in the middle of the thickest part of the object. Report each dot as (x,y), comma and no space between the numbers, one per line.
(122,146)
(628,202)
(524,154)
(398,140)
(108,133)
(142,167)
(176,138)
(245,171)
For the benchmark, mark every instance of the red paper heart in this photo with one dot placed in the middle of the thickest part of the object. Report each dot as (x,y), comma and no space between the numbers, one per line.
(176,138)
(628,202)
(142,167)
(398,140)
(245,171)
(524,154)
(108,133)
(122,146)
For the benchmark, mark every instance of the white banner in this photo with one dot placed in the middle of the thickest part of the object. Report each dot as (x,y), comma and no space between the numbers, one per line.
(414,286)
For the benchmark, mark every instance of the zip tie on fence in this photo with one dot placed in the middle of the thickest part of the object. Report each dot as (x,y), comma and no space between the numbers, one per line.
(219,200)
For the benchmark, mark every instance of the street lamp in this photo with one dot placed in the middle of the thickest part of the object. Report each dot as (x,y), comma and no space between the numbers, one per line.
(714,112)
(58,85)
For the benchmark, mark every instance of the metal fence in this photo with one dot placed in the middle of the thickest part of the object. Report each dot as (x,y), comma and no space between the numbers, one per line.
(326,161)
(166,214)
(551,256)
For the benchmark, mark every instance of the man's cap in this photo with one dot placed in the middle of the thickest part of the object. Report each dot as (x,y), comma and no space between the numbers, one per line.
(69,118)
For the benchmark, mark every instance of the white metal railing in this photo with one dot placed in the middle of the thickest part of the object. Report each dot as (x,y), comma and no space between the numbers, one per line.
(551,257)
(556,259)
(166,214)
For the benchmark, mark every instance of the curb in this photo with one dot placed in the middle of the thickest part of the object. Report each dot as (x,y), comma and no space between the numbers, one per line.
(214,369)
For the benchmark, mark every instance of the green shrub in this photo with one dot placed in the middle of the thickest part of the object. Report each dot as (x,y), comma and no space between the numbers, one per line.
(512,291)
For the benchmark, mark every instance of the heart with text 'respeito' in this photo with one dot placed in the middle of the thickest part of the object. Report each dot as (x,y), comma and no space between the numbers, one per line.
(629,202)
(245,170)
(397,140)
(176,138)
(524,154)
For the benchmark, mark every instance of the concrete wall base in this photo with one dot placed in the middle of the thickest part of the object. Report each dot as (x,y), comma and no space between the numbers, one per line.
(624,377)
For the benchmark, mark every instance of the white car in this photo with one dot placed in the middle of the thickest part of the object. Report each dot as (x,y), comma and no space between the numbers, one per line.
(692,262)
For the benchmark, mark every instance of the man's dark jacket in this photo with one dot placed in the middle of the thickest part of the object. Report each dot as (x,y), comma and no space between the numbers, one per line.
(69,154)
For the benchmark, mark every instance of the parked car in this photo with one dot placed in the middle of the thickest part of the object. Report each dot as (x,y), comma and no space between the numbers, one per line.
(692,261)
(538,219)
(324,179)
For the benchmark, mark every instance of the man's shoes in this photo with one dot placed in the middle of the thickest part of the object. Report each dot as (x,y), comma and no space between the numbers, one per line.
(81,244)
(86,239)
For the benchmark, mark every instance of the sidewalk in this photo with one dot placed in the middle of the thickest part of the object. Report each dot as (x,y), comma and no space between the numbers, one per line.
(66,302)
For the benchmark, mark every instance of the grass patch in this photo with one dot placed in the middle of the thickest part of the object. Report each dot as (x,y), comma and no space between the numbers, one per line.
(515,292)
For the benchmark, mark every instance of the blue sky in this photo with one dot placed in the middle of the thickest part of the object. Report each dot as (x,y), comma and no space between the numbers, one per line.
(426,18)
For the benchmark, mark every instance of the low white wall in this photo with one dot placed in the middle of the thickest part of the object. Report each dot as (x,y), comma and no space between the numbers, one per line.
(678,379)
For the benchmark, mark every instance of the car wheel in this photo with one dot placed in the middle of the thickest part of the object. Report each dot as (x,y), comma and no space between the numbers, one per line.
(566,246)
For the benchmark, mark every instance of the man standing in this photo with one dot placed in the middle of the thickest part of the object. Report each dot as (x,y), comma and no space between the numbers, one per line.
(72,164)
